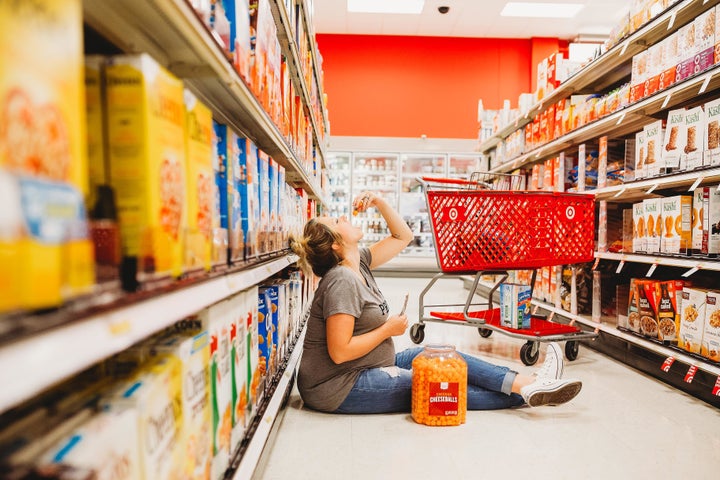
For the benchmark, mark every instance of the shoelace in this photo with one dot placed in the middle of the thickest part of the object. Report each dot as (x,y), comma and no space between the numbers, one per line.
(548,367)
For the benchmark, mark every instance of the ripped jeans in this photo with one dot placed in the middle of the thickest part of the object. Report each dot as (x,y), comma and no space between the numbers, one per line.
(389,389)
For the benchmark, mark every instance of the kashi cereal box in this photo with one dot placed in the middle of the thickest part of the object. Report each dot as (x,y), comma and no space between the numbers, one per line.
(147,157)
(712,133)
(694,139)
(46,255)
(711,220)
(238,366)
(696,221)
(640,154)
(710,347)
(675,139)
(217,320)
(677,221)
(692,319)
(200,180)
(653,163)
(653,224)
(192,350)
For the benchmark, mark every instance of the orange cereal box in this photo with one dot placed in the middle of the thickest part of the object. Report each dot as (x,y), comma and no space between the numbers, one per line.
(45,252)
(147,151)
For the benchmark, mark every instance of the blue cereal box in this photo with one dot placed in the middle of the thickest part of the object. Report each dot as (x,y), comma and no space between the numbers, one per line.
(515,305)
(249,201)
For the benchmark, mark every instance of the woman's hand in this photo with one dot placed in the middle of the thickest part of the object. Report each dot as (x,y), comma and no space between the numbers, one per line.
(396,324)
(363,201)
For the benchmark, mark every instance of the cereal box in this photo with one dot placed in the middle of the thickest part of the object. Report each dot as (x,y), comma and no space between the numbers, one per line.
(640,155)
(695,139)
(94,111)
(692,321)
(670,52)
(639,74)
(669,295)
(710,347)
(200,180)
(696,221)
(677,224)
(265,332)
(45,251)
(648,303)
(653,224)
(704,41)
(712,133)
(675,139)
(711,220)
(274,204)
(653,163)
(688,50)
(147,153)
(249,196)
(238,368)
(652,82)
(254,376)
(219,224)
(264,200)
(515,305)
(229,151)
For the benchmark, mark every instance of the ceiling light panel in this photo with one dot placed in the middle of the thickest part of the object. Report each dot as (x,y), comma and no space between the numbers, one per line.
(385,6)
(540,10)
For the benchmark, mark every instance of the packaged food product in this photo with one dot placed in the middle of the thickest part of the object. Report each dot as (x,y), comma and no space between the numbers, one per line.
(711,220)
(633,317)
(696,221)
(648,307)
(219,211)
(249,200)
(264,197)
(710,347)
(439,386)
(653,224)
(712,133)
(653,163)
(147,157)
(694,139)
(669,295)
(640,153)
(254,376)
(675,139)
(239,370)
(228,182)
(265,332)
(677,221)
(692,320)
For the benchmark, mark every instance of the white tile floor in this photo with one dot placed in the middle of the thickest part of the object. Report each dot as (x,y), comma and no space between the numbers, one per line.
(623,425)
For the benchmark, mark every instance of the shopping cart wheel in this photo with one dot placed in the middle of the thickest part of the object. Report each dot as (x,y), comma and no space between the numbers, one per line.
(484,332)
(417,333)
(529,353)
(571,350)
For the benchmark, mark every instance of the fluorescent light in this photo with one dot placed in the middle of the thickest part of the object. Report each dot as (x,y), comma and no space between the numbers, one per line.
(542,10)
(385,6)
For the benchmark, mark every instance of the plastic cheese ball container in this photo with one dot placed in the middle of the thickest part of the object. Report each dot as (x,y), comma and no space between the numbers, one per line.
(439,386)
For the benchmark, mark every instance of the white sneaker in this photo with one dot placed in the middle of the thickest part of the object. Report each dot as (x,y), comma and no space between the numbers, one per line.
(554,363)
(548,391)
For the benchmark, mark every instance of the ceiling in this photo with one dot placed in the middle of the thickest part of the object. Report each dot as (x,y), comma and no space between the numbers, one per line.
(470,18)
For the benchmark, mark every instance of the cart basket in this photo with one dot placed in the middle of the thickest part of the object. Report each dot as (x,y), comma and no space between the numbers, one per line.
(478,230)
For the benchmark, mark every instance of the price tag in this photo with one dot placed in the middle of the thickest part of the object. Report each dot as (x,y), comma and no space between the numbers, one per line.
(539,153)
(119,327)
(666,101)
(652,269)
(620,120)
(672,20)
(650,190)
(624,48)
(716,388)
(690,375)
(705,84)
(550,317)
(667,364)
(618,194)
(690,272)
(695,184)
(620,266)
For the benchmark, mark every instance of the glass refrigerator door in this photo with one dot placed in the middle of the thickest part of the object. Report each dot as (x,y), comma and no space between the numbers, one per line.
(462,165)
(413,206)
(338,174)
(377,172)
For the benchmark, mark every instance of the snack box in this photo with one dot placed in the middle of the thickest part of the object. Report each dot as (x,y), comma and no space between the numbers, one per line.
(274,227)
(200,182)
(710,346)
(677,224)
(515,305)
(692,320)
(147,157)
(653,224)
(675,139)
(46,255)
(711,220)
(695,140)
(712,133)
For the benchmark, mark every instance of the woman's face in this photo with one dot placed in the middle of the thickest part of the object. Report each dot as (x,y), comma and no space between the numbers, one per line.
(349,233)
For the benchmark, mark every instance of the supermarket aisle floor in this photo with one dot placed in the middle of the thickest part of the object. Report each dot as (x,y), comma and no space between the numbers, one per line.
(623,425)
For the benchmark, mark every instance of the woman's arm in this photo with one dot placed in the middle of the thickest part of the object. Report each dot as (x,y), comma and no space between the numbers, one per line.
(343,346)
(400,234)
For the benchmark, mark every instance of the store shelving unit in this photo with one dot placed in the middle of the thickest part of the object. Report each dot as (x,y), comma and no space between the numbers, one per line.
(603,72)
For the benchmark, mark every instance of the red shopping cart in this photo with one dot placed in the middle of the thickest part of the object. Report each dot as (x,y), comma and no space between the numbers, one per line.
(485,225)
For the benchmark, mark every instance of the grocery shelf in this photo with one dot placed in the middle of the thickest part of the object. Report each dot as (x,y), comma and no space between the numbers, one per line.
(172,33)
(609,68)
(33,364)
(310,31)
(624,121)
(638,189)
(699,263)
(630,338)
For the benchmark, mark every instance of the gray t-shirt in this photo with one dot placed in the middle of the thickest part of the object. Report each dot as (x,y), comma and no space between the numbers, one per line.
(323,384)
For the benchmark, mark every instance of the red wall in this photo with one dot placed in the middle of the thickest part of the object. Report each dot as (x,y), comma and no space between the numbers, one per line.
(397,86)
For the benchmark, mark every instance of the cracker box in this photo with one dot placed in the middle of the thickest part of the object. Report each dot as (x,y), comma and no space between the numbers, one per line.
(249,200)
(692,320)
(147,156)
(675,139)
(654,134)
(712,134)
(515,305)
(710,346)
(218,320)
(200,180)
(653,224)
(640,155)
(696,221)
(711,220)
(45,251)
(677,224)
(192,349)
(694,139)
(238,370)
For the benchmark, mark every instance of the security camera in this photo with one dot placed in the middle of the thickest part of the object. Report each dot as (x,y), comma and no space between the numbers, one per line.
(444,9)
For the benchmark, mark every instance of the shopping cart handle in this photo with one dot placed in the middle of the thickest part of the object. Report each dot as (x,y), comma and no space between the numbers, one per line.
(453,181)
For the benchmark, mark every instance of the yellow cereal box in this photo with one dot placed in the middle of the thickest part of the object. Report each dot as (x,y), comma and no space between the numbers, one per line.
(200,180)
(45,253)
(146,150)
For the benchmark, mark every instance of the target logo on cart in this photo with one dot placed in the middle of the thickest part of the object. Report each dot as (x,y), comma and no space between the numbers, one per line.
(570,212)
(453,214)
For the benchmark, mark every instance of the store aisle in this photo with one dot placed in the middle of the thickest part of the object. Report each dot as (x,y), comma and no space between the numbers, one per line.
(623,425)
